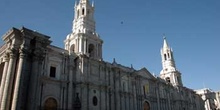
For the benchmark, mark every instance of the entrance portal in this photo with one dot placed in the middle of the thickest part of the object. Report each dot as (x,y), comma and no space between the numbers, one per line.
(146,106)
(50,104)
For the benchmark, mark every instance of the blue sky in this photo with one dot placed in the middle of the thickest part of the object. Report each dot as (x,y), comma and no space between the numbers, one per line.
(133,30)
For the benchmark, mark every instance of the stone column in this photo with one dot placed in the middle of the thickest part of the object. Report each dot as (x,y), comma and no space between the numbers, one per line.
(3,77)
(15,101)
(8,80)
(158,96)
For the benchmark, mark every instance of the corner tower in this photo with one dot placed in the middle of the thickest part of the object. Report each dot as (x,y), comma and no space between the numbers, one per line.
(84,40)
(169,72)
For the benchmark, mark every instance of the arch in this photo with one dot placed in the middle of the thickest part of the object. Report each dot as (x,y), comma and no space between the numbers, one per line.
(95,101)
(91,50)
(83,11)
(165,57)
(168,79)
(72,48)
(50,104)
(146,105)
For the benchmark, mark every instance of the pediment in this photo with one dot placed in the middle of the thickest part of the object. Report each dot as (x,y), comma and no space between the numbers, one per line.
(145,73)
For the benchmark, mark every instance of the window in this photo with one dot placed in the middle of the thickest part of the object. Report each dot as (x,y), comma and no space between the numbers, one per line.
(91,50)
(165,56)
(95,101)
(52,71)
(168,79)
(144,91)
(83,11)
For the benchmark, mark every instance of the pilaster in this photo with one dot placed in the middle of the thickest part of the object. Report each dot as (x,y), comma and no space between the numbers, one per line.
(34,85)
(70,85)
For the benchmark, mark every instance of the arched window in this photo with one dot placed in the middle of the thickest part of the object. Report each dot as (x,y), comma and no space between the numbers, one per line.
(168,55)
(83,11)
(95,101)
(168,79)
(165,56)
(50,104)
(91,50)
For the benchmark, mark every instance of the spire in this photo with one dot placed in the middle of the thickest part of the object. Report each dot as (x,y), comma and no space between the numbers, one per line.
(169,72)
(165,44)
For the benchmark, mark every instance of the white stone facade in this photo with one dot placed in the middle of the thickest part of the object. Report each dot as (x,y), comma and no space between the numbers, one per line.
(211,98)
(36,75)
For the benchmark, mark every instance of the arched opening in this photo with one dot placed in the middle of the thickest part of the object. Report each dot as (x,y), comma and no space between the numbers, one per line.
(95,101)
(83,11)
(146,106)
(50,104)
(72,48)
(91,50)
(165,56)
(168,79)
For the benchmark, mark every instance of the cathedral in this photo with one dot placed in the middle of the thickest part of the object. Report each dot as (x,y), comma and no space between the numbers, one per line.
(35,75)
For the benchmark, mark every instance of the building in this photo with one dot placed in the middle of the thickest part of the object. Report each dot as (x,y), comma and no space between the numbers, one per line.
(36,75)
(211,98)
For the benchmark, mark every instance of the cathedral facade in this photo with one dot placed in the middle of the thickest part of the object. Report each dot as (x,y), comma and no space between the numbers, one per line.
(35,75)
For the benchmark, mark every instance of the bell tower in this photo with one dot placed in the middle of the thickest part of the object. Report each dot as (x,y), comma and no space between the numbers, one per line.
(169,72)
(84,40)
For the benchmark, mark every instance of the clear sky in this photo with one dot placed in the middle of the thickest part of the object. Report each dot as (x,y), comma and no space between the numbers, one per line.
(133,30)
